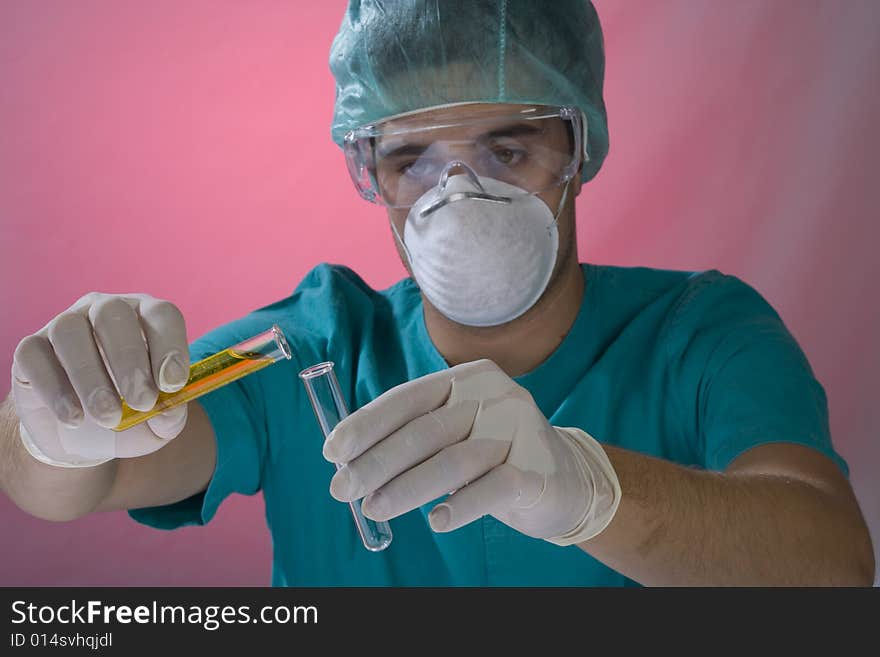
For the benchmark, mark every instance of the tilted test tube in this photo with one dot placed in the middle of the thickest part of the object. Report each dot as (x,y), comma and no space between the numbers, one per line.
(210,373)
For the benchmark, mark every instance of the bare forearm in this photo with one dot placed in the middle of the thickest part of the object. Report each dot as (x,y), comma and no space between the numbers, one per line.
(42,490)
(679,526)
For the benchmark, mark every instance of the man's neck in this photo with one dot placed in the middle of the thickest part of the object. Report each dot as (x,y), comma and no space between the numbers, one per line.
(521,345)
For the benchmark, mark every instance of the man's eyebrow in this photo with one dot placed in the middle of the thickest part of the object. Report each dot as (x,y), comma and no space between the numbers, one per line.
(399,151)
(514,130)
(414,149)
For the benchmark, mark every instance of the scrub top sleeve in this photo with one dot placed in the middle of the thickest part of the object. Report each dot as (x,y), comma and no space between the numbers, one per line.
(236,412)
(753,382)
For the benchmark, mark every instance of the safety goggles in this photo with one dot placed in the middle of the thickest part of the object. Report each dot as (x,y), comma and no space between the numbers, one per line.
(535,148)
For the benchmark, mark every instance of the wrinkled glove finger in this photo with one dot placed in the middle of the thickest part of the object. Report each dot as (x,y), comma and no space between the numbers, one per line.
(40,380)
(447,470)
(165,330)
(74,344)
(118,330)
(386,414)
(410,445)
(495,492)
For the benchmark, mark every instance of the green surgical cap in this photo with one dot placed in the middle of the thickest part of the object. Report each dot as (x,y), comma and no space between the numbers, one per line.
(396,56)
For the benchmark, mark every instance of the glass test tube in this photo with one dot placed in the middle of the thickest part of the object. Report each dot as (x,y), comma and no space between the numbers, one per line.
(329,406)
(214,371)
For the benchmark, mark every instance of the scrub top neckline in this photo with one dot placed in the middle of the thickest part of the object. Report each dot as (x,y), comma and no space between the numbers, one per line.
(556,365)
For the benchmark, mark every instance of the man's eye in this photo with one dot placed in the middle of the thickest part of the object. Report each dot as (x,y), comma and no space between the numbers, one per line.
(416,168)
(508,156)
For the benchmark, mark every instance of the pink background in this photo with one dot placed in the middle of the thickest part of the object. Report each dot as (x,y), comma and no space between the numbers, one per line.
(183,149)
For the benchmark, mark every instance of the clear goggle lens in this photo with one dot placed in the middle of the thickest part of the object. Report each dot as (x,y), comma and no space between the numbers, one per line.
(395,162)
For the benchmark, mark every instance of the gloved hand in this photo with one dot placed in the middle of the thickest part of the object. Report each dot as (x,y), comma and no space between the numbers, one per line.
(67,400)
(473,431)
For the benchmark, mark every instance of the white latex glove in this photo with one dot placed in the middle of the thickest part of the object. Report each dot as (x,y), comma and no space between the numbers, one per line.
(67,399)
(473,431)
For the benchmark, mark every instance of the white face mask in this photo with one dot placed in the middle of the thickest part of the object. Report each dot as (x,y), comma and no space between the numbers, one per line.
(481,256)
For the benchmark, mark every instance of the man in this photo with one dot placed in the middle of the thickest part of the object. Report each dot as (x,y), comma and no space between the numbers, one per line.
(524,419)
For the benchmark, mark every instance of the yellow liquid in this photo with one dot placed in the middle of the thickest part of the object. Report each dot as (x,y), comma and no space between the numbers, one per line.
(204,376)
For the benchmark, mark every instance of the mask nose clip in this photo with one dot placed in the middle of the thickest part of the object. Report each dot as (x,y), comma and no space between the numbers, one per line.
(445,199)
(458,164)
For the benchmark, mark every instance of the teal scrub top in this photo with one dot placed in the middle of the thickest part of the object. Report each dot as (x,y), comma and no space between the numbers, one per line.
(694,368)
